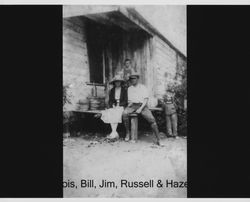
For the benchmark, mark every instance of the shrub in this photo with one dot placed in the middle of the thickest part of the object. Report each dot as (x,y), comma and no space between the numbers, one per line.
(66,95)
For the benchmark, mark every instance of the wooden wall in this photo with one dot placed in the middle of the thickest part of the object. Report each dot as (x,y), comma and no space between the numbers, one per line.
(151,56)
(165,63)
(133,45)
(119,44)
(75,61)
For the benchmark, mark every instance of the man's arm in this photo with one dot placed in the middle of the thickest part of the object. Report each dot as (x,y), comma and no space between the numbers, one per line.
(129,100)
(145,101)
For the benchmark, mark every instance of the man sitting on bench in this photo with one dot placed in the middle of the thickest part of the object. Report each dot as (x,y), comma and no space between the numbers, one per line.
(137,103)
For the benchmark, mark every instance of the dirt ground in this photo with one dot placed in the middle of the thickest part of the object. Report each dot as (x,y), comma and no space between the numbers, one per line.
(93,157)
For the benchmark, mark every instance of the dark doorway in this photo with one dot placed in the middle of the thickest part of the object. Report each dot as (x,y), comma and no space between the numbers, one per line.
(95,45)
(105,50)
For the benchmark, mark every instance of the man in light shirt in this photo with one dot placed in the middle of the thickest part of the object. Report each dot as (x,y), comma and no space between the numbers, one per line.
(137,103)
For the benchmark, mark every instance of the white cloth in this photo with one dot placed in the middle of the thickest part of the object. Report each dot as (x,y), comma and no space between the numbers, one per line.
(137,94)
(117,93)
(112,115)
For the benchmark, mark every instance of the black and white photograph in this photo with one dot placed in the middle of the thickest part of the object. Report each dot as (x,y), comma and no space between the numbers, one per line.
(106,100)
(124,101)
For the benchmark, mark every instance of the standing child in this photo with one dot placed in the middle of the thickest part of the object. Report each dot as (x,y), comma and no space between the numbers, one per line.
(170,109)
(126,71)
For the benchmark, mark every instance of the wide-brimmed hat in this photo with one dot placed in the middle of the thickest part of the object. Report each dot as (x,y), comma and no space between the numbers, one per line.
(134,74)
(117,78)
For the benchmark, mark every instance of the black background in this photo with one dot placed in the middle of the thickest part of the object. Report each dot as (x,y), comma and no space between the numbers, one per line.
(31,101)
(218,101)
(31,96)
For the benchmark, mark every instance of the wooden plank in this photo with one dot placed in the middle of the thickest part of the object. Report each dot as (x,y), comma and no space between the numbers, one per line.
(165,60)
(79,10)
(165,45)
(165,52)
(88,111)
(99,111)
(134,126)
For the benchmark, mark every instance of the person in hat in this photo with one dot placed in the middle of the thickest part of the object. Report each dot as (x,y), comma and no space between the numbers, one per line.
(117,101)
(170,108)
(137,103)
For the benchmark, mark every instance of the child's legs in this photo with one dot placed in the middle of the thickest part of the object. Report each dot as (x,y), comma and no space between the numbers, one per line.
(174,121)
(168,124)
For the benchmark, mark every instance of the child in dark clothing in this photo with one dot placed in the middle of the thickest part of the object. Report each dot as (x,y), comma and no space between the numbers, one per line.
(170,109)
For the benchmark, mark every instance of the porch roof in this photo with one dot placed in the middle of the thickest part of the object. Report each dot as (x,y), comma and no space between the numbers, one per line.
(125,17)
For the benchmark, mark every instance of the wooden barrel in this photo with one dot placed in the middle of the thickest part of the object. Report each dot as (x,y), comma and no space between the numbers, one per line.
(83,105)
(96,103)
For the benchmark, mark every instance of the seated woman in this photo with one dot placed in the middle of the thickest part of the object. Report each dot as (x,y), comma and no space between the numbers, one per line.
(118,99)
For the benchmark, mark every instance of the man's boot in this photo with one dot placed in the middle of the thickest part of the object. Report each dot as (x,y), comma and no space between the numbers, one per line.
(156,132)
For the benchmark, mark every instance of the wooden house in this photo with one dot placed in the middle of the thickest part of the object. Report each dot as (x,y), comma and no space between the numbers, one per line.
(97,40)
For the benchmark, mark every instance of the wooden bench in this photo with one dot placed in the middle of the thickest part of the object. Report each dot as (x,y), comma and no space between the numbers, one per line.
(134,123)
(134,126)
(133,120)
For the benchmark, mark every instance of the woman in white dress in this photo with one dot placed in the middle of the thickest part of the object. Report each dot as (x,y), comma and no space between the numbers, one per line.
(118,99)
